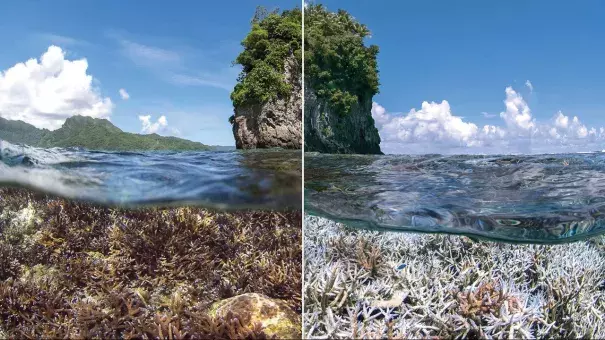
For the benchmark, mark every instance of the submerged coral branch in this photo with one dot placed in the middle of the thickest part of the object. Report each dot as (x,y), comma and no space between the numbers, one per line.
(71,269)
(402,285)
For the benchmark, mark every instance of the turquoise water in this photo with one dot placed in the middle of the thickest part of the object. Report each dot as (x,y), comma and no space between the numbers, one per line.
(527,198)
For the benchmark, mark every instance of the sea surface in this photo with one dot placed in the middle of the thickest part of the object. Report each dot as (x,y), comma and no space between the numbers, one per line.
(526,198)
(256,179)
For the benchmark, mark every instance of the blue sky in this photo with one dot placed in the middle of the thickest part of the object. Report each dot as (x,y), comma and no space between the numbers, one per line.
(468,53)
(173,60)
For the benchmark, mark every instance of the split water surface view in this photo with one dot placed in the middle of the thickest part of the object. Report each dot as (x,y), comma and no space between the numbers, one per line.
(152,161)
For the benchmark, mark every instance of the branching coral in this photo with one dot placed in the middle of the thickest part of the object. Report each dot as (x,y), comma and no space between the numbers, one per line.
(71,269)
(448,286)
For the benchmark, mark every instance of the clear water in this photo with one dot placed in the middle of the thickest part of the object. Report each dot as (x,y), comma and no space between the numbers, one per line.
(259,179)
(533,198)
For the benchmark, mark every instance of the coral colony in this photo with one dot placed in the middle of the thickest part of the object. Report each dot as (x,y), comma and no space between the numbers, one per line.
(366,284)
(71,269)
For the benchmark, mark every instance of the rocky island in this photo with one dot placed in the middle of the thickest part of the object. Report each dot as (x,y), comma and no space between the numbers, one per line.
(267,99)
(341,77)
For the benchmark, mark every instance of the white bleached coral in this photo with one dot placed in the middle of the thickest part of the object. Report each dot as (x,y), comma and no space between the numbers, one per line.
(375,285)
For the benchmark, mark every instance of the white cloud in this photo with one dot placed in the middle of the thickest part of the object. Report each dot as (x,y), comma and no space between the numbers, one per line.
(159,127)
(45,92)
(564,128)
(60,40)
(175,65)
(434,122)
(517,115)
(488,115)
(124,94)
(434,128)
(529,86)
(149,56)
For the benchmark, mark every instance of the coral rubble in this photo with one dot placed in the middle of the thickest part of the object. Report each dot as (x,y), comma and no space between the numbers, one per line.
(72,269)
(368,284)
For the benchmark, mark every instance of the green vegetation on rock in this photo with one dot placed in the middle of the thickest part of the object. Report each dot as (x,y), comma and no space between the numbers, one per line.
(91,133)
(338,66)
(274,38)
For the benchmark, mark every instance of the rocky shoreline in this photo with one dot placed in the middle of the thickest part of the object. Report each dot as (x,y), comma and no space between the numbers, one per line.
(72,269)
(367,284)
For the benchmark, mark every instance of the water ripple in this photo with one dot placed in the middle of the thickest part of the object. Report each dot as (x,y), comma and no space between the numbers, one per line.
(534,198)
(258,179)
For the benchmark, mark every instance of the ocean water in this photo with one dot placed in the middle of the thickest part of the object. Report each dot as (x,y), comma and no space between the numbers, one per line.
(256,179)
(526,198)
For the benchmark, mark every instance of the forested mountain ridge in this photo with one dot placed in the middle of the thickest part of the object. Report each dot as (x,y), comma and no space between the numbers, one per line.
(91,133)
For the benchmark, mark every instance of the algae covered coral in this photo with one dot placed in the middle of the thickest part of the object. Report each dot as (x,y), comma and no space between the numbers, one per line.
(366,284)
(71,269)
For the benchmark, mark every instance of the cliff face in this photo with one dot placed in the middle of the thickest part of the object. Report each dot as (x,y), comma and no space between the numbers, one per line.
(341,77)
(329,132)
(276,123)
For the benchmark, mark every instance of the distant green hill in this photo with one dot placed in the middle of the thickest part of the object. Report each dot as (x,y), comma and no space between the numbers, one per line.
(93,134)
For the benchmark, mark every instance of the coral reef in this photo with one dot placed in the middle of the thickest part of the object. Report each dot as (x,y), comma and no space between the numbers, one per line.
(368,284)
(72,269)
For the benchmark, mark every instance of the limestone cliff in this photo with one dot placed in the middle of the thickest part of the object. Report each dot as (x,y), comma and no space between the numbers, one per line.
(329,132)
(276,123)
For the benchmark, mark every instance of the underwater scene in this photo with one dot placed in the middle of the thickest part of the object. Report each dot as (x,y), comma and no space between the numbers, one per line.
(149,244)
(434,206)
(437,245)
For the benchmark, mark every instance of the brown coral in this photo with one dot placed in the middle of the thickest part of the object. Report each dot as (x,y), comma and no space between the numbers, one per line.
(487,299)
(81,270)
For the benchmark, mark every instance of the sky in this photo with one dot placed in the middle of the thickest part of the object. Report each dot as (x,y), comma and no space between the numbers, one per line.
(146,66)
(487,76)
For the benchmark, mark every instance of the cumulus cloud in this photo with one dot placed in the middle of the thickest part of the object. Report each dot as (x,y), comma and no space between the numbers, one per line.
(434,122)
(564,128)
(517,115)
(124,94)
(434,128)
(45,92)
(160,126)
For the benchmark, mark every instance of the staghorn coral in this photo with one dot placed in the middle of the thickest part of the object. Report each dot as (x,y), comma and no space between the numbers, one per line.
(432,285)
(72,269)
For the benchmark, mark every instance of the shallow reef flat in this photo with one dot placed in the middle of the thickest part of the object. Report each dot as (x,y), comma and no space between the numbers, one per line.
(72,269)
(368,284)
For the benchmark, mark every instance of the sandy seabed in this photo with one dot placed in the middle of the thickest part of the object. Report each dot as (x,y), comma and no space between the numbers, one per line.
(368,284)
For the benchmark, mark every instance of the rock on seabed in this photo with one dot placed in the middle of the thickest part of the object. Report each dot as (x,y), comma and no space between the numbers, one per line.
(274,315)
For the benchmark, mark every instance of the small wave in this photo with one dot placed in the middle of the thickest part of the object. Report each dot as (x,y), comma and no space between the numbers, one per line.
(262,179)
(545,198)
